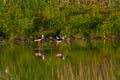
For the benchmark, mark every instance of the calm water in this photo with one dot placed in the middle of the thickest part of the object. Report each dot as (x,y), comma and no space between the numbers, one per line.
(84,60)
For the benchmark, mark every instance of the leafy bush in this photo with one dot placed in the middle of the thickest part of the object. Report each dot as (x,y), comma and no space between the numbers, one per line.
(29,19)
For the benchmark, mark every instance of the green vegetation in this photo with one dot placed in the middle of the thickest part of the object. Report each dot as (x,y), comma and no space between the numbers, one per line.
(31,18)
(95,60)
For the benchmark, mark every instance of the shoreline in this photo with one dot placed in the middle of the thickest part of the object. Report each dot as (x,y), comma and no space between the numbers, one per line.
(27,40)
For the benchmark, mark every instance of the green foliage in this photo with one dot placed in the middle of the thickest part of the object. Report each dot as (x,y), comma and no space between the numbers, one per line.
(28,18)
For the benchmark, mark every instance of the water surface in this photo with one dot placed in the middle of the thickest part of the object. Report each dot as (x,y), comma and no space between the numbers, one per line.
(84,60)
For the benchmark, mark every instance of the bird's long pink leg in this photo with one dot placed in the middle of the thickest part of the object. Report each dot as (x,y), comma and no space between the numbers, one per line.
(38,46)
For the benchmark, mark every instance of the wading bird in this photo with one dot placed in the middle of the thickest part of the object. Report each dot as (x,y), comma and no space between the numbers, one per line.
(39,54)
(59,40)
(40,39)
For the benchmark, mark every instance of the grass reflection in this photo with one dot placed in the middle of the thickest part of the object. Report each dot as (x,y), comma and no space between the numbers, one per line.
(93,60)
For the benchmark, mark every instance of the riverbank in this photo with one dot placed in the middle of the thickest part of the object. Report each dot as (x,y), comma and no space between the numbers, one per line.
(67,39)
